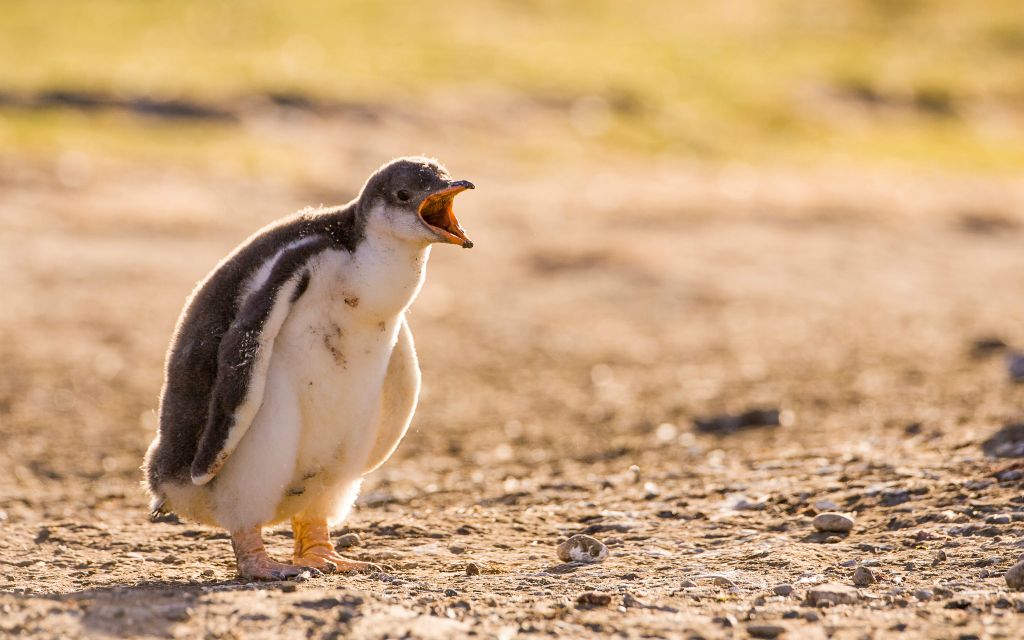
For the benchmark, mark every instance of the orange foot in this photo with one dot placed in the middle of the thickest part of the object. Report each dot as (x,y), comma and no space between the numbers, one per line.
(313,549)
(332,562)
(254,563)
(267,569)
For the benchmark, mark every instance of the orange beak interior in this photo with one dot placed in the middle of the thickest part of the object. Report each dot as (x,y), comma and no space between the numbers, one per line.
(436,213)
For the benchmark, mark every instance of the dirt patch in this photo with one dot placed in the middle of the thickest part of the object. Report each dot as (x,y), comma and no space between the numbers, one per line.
(578,386)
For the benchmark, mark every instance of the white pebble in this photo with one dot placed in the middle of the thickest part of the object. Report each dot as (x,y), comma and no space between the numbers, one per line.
(833,522)
(582,548)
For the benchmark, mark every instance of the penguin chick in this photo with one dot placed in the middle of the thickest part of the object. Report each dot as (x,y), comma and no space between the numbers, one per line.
(292,372)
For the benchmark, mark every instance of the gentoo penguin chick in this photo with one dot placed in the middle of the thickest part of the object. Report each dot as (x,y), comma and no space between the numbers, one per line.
(292,371)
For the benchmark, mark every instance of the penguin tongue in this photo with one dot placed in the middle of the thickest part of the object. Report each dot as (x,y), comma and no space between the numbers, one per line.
(436,212)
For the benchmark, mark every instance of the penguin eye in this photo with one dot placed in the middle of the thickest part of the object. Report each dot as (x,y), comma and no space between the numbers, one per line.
(403,195)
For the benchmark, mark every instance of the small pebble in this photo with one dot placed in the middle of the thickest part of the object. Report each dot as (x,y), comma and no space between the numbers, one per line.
(924,594)
(811,616)
(582,548)
(472,569)
(1000,519)
(456,548)
(768,631)
(863,577)
(726,621)
(1015,366)
(782,589)
(1015,577)
(832,593)
(722,581)
(347,540)
(987,345)
(288,587)
(629,601)
(833,522)
(687,584)
(1009,475)
(1008,442)
(589,599)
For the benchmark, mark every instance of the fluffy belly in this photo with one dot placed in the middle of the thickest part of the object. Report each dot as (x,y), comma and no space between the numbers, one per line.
(309,443)
(338,397)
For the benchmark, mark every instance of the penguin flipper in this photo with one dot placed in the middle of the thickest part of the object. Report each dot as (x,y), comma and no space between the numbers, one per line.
(243,356)
(398,398)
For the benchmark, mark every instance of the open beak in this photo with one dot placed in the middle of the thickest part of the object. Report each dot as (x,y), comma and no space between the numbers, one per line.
(436,212)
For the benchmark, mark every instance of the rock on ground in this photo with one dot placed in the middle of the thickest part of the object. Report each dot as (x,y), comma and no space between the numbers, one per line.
(833,522)
(832,593)
(582,548)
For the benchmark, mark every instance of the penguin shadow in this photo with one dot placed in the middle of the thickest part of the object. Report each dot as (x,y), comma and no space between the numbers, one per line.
(150,608)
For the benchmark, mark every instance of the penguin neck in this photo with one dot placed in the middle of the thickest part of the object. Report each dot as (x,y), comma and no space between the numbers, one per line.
(392,271)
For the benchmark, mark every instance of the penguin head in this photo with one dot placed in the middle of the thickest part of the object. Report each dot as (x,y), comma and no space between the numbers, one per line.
(413,198)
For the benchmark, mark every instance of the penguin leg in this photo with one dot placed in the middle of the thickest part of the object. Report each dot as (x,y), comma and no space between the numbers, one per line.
(313,548)
(252,559)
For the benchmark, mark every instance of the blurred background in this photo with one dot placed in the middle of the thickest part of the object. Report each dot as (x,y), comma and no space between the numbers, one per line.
(685,209)
(713,203)
(231,86)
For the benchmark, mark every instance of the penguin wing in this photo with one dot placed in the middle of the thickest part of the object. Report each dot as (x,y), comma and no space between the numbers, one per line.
(398,399)
(243,356)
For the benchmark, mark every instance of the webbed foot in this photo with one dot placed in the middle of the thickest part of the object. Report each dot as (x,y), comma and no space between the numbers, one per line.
(313,548)
(254,564)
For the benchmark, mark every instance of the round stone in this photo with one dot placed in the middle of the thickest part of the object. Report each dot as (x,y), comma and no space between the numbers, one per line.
(832,593)
(833,522)
(782,589)
(863,577)
(582,548)
(767,631)
(1015,577)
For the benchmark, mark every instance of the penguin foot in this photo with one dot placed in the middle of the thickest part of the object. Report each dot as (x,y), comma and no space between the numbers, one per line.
(266,569)
(332,562)
(313,548)
(254,564)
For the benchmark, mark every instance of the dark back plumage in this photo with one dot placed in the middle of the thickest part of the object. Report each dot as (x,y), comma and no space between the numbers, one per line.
(192,359)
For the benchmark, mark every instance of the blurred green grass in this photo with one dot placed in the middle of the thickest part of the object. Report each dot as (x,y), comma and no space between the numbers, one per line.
(931,82)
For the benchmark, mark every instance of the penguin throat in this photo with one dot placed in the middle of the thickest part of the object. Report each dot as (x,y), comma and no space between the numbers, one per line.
(436,212)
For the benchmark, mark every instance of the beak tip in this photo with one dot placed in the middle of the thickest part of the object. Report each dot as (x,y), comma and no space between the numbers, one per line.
(467,244)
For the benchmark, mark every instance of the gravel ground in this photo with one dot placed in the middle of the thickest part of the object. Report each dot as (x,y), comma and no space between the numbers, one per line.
(587,370)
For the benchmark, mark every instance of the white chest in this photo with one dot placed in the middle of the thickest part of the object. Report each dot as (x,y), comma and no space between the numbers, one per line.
(336,345)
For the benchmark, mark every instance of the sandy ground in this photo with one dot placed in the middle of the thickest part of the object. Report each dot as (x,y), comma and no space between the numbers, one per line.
(565,359)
